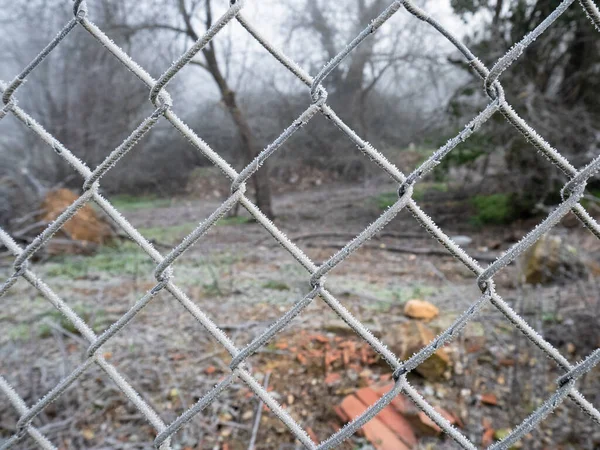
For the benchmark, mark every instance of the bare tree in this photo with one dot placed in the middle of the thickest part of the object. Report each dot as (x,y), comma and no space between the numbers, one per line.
(404,55)
(211,63)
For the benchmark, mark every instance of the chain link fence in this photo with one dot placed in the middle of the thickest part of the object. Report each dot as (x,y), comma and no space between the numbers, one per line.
(572,193)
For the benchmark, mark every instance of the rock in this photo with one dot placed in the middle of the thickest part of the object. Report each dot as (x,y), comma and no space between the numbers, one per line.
(407,338)
(420,309)
(551,259)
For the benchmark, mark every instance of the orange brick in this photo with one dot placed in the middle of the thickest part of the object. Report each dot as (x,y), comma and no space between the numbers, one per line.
(341,414)
(389,417)
(312,435)
(375,430)
(400,403)
(431,424)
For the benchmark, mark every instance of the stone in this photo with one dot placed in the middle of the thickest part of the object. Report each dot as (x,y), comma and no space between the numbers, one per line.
(551,259)
(420,309)
(407,338)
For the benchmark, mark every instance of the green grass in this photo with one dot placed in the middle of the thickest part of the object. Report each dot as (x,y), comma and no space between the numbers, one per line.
(235,220)
(594,192)
(175,233)
(385,200)
(42,328)
(97,320)
(126,202)
(276,285)
(170,234)
(495,209)
(20,332)
(124,259)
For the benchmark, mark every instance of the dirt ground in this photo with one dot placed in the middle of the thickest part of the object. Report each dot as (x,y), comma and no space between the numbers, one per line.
(243,280)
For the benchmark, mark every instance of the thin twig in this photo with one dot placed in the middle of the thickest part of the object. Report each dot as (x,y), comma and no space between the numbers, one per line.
(484,257)
(258,415)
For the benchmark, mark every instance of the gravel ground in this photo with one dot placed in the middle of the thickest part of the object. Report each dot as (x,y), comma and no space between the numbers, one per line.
(241,279)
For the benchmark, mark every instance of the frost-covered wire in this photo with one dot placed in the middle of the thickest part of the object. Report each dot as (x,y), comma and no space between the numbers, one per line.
(317,285)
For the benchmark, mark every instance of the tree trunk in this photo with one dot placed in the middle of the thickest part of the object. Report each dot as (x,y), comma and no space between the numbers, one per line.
(261,182)
(250,148)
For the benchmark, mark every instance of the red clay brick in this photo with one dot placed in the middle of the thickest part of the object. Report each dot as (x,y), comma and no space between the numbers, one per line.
(400,403)
(341,414)
(389,417)
(312,435)
(431,424)
(375,430)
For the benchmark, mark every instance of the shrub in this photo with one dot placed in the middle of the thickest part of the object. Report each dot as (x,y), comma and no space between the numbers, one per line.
(496,209)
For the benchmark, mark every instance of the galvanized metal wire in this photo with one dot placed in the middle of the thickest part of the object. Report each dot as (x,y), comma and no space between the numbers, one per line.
(566,386)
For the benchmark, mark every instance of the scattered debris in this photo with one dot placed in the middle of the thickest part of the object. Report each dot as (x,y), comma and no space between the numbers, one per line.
(316,350)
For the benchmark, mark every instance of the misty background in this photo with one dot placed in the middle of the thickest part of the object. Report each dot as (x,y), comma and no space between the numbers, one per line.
(406,89)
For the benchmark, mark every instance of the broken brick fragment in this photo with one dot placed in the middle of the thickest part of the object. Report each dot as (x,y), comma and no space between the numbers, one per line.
(375,430)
